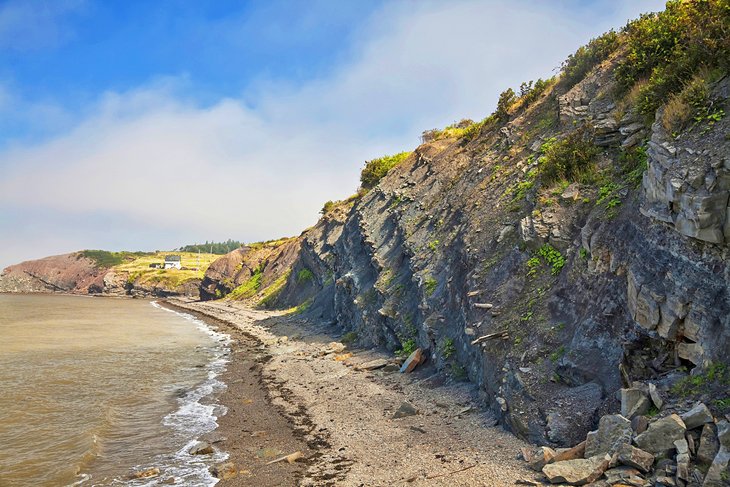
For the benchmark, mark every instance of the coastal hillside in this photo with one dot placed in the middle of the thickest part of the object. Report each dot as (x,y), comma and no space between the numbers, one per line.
(109,273)
(572,243)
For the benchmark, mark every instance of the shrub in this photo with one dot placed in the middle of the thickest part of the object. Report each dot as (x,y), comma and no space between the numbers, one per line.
(249,288)
(304,275)
(506,99)
(447,348)
(586,57)
(374,170)
(570,159)
(552,257)
(670,47)
(430,284)
(407,348)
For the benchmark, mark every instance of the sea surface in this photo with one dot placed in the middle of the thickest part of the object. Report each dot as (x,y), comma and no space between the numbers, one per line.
(95,389)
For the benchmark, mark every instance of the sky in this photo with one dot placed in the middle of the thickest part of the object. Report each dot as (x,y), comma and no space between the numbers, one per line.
(146,125)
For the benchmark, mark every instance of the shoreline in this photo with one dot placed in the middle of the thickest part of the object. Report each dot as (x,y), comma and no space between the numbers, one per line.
(341,417)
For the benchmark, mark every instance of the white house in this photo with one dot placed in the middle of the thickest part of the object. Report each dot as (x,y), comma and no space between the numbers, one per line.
(173,261)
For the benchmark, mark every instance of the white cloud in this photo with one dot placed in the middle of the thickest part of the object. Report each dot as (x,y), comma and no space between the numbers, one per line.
(158,159)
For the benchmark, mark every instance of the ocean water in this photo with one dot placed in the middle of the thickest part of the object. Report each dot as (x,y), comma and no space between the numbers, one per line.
(95,389)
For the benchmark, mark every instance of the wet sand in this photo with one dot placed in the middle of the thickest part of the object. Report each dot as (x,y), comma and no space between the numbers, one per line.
(293,388)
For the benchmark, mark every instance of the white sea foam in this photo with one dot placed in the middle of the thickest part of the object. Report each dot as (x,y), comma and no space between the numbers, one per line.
(193,418)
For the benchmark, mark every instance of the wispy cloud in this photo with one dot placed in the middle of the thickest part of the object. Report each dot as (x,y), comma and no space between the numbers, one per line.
(262,165)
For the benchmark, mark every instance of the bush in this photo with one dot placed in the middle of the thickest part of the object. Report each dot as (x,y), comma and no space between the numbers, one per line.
(506,99)
(570,159)
(374,170)
(304,275)
(670,47)
(586,57)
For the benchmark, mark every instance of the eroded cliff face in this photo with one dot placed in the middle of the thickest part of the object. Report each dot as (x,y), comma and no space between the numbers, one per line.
(59,273)
(452,252)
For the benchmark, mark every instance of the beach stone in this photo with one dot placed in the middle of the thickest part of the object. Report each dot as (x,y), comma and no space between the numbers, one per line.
(202,448)
(224,471)
(660,436)
(405,409)
(373,364)
(613,431)
(634,457)
(697,416)
(414,359)
(709,444)
(577,472)
(540,457)
(665,481)
(634,402)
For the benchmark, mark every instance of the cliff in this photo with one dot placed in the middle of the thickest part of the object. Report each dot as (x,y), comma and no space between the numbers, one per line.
(568,245)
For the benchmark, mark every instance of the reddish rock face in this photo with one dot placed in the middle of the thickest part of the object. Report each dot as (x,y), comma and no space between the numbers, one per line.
(64,273)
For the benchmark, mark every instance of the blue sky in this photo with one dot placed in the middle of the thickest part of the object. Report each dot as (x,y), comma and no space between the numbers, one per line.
(149,125)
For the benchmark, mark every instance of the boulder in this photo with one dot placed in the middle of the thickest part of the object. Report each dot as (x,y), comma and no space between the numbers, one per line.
(634,457)
(697,416)
(623,475)
(540,457)
(634,402)
(709,444)
(412,361)
(577,472)
(639,424)
(660,436)
(613,431)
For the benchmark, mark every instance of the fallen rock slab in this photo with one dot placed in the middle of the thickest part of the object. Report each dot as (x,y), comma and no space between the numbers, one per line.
(660,436)
(613,431)
(373,364)
(412,361)
(634,402)
(709,444)
(634,457)
(578,451)
(540,457)
(577,472)
(697,416)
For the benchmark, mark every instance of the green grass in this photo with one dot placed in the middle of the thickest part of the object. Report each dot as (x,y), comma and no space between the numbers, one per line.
(447,348)
(716,376)
(304,276)
(552,257)
(249,288)
(569,159)
(272,291)
(430,284)
(349,338)
(137,266)
(105,259)
(557,354)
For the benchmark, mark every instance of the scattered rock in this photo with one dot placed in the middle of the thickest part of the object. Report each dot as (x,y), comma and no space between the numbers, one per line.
(664,481)
(391,368)
(201,448)
(414,359)
(634,457)
(719,473)
(540,457)
(697,416)
(709,444)
(655,397)
(622,474)
(613,431)
(659,438)
(577,472)
(634,402)
(224,471)
(373,364)
(639,424)
(578,451)
(404,410)
(682,459)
